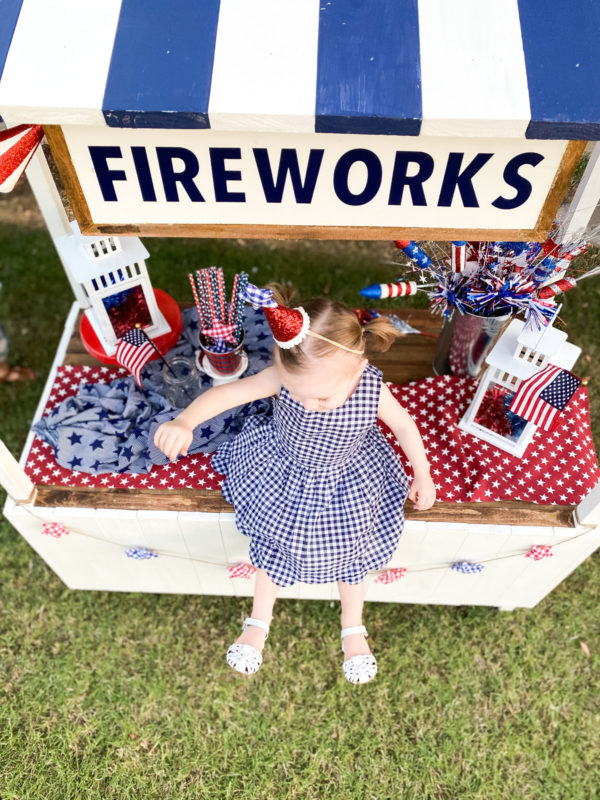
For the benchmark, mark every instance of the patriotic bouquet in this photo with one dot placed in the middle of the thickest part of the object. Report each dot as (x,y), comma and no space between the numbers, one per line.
(490,279)
(220,322)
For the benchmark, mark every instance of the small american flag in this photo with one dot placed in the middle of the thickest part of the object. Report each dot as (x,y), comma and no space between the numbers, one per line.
(133,351)
(541,398)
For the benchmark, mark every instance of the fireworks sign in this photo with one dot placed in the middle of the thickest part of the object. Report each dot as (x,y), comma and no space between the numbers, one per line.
(273,183)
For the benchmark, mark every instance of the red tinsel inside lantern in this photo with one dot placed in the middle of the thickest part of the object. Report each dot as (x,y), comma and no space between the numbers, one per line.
(126,309)
(492,411)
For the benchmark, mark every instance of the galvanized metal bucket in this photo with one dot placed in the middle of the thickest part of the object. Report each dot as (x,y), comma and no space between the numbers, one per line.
(464,342)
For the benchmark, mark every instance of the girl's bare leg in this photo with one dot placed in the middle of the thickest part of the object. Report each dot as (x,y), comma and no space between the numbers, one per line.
(352,597)
(265,594)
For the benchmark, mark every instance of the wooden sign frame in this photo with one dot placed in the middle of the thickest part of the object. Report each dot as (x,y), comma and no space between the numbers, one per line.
(88,226)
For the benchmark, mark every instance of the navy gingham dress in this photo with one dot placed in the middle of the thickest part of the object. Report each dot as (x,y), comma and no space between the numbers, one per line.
(319,493)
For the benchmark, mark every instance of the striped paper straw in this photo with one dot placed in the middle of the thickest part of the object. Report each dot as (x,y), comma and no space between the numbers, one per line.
(221,288)
(208,294)
(203,300)
(214,291)
(233,296)
(458,257)
(203,306)
(196,298)
(242,283)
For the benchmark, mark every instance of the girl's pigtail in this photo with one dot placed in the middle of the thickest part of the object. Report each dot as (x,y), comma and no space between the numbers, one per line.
(283,294)
(382,334)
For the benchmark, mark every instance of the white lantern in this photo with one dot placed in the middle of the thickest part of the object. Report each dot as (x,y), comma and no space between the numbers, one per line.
(518,354)
(113,272)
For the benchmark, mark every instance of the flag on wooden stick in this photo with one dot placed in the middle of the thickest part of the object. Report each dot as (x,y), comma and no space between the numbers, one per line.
(134,351)
(542,397)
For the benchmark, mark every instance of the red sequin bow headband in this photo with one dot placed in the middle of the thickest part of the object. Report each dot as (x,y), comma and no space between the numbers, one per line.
(288,325)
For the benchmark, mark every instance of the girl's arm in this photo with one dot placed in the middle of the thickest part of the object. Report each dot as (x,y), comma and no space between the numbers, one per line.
(173,438)
(402,425)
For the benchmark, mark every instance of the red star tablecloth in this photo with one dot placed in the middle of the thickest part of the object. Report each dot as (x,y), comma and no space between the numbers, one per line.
(557,468)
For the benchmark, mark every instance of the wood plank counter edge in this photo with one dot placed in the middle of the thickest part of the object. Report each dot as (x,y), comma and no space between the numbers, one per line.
(505,512)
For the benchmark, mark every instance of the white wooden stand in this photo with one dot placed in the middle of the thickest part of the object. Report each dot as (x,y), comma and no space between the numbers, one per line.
(197,547)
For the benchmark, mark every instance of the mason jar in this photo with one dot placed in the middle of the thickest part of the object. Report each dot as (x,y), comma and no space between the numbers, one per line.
(181,381)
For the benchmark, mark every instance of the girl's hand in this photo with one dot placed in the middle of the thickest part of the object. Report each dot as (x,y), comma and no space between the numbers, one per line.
(173,438)
(422,492)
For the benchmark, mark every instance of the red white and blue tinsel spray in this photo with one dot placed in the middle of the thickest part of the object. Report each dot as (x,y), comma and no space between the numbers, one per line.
(490,278)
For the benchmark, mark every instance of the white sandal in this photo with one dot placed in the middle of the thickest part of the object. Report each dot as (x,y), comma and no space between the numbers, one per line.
(243,657)
(359,669)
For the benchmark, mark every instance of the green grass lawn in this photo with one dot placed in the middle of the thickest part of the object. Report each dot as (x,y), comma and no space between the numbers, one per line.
(128,696)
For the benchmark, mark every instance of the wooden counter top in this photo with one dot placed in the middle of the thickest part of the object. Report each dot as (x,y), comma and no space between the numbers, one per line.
(409,359)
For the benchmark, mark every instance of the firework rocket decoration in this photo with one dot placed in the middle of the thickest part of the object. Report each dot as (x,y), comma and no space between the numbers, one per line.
(489,279)
(381,291)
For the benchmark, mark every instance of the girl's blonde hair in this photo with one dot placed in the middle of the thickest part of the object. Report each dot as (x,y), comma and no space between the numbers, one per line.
(335,321)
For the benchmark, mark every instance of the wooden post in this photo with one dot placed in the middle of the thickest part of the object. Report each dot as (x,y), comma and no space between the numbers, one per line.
(12,478)
(50,204)
(588,511)
(584,202)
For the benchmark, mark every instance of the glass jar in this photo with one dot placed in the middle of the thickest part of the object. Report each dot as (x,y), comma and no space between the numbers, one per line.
(181,381)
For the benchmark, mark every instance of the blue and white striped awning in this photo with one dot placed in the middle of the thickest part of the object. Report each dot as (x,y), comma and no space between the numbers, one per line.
(486,68)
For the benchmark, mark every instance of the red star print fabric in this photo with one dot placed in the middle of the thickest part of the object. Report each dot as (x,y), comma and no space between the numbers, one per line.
(557,468)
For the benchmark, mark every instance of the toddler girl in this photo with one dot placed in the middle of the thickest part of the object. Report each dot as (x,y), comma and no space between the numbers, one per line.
(316,487)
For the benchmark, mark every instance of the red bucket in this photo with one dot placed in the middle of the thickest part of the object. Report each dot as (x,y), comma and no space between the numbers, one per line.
(223,363)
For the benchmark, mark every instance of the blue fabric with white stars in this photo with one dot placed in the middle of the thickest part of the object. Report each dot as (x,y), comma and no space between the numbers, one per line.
(110,427)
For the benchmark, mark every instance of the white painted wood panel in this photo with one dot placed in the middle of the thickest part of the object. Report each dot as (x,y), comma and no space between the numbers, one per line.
(438,547)
(202,545)
(481,542)
(406,554)
(571,558)
(479,89)
(47,76)
(538,578)
(204,541)
(312,591)
(162,532)
(272,47)
(585,201)
(588,511)
(235,545)
(124,531)
(81,562)
(501,573)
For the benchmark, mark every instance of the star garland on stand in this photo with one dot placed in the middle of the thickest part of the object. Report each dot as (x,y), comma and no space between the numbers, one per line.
(245,570)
